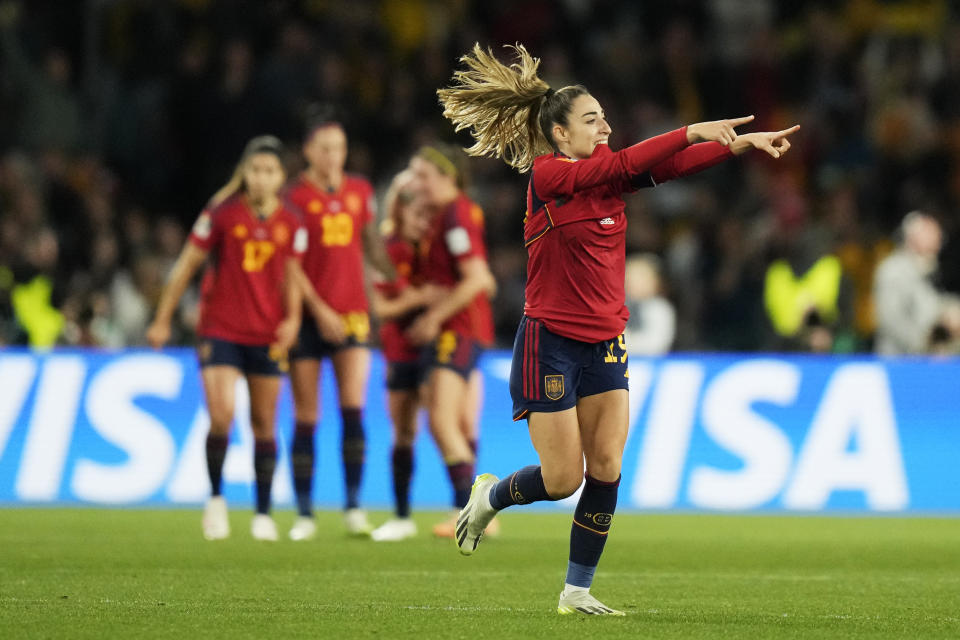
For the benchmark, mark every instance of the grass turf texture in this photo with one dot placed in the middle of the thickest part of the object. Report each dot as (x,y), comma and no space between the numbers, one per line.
(87,573)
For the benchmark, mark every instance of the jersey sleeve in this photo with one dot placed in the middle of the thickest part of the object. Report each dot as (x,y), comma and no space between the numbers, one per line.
(298,248)
(206,231)
(691,160)
(464,233)
(561,177)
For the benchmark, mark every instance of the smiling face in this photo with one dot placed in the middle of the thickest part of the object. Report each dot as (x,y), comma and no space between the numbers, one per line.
(414,219)
(433,187)
(586,127)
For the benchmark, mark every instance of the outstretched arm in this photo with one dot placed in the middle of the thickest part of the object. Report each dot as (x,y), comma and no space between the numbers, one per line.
(475,278)
(703,156)
(566,177)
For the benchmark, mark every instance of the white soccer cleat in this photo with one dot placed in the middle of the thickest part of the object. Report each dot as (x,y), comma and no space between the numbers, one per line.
(394,530)
(478,513)
(263,528)
(355,520)
(216,525)
(580,601)
(305,528)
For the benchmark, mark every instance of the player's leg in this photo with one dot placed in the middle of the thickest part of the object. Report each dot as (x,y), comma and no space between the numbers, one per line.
(603,429)
(219,372)
(304,378)
(544,378)
(404,406)
(305,359)
(264,390)
(471,407)
(446,389)
(604,420)
(352,368)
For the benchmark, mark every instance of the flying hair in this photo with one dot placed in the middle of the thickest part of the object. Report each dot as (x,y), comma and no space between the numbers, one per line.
(501,106)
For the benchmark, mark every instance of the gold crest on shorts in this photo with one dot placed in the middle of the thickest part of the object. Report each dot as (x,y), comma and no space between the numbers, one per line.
(204,351)
(553,386)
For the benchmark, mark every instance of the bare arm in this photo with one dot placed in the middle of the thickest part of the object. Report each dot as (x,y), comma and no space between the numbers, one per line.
(409,299)
(475,279)
(190,259)
(293,301)
(328,321)
(376,252)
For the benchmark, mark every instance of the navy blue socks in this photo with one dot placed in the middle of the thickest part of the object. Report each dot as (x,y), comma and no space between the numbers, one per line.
(588,534)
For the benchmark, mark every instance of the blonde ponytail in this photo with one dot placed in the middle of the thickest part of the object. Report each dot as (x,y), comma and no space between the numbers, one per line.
(234,185)
(500,105)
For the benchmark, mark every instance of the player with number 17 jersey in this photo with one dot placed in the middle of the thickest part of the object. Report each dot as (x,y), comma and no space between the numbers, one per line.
(242,300)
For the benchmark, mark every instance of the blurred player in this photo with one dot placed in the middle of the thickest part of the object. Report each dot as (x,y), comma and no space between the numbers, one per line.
(397,304)
(454,257)
(569,373)
(249,317)
(339,212)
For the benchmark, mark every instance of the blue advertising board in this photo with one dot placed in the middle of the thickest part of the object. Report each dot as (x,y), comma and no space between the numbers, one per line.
(707,432)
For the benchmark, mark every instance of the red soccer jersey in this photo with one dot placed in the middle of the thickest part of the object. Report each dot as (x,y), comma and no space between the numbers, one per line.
(335,223)
(481,319)
(575,229)
(393,339)
(455,235)
(242,291)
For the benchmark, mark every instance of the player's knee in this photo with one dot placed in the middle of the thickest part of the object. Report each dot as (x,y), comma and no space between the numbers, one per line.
(220,419)
(262,427)
(562,484)
(604,466)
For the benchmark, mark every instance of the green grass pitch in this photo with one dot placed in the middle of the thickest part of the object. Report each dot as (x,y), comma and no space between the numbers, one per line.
(92,573)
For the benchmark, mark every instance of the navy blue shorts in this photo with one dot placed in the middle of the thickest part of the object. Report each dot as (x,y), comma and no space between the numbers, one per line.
(451,350)
(261,360)
(311,345)
(550,372)
(404,376)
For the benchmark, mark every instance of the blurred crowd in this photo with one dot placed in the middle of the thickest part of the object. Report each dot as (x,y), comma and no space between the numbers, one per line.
(121,117)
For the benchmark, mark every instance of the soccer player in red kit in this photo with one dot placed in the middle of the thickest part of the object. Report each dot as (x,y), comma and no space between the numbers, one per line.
(339,212)
(453,256)
(397,303)
(249,315)
(569,372)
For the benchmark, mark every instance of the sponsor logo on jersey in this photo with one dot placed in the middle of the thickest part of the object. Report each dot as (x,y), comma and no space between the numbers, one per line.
(281,234)
(606,222)
(353,202)
(553,386)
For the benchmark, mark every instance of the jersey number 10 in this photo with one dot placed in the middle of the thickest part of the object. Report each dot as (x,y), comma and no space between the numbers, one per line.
(337,230)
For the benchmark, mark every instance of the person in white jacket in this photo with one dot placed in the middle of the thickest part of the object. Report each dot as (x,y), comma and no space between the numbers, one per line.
(908,305)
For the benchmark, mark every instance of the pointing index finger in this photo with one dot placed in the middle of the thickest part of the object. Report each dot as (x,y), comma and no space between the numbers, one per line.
(736,122)
(787,132)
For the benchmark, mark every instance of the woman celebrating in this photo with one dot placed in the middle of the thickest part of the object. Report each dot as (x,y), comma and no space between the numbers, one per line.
(249,315)
(397,304)
(569,372)
(453,256)
(339,212)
